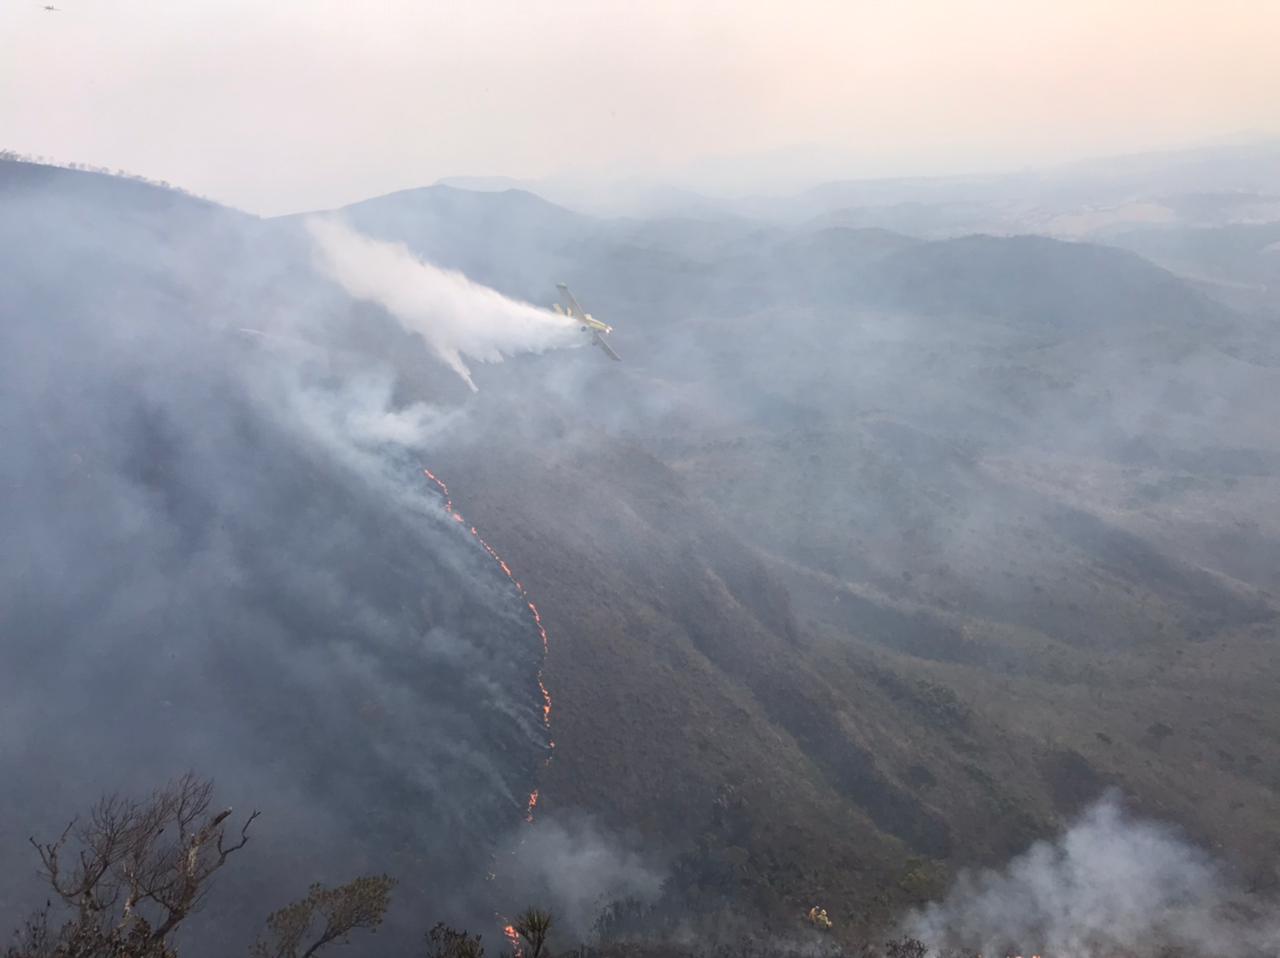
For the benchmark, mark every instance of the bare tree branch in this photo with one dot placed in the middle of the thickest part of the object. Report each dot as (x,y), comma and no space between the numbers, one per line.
(156,856)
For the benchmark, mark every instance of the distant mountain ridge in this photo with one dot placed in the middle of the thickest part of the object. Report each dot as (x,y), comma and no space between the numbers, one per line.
(878,556)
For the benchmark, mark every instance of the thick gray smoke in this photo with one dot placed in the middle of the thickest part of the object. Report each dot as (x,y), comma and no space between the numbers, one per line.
(223,556)
(1110,885)
(1045,466)
(459,319)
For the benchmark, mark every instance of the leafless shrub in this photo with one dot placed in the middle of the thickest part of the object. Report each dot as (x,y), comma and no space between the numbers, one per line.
(446,942)
(130,873)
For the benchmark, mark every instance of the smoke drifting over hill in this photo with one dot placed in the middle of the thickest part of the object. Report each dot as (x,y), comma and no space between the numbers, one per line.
(190,577)
(577,868)
(1110,885)
(459,319)
(873,532)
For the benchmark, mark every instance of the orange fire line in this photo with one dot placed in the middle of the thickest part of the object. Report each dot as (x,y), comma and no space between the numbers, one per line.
(533,610)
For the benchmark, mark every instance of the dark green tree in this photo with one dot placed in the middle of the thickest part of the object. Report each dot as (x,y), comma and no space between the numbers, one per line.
(326,915)
(533,926)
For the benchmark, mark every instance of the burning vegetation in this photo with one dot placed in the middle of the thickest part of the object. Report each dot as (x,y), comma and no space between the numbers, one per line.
(457,517)
(123,879)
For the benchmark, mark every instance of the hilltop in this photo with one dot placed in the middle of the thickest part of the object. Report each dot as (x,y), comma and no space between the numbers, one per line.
(881,555)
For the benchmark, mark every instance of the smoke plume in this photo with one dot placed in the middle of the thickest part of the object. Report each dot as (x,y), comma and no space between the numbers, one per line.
(221,554)
(458,319)
(1109,885)
(576,869)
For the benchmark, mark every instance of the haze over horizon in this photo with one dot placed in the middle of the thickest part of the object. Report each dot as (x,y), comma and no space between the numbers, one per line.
(288,107)
(872,552)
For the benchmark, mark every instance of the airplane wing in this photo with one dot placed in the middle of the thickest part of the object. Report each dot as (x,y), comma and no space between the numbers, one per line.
(570,303)
(599,341)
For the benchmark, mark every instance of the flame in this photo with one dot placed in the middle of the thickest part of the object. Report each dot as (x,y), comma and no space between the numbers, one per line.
(454,514)
(514,938)
(533,803)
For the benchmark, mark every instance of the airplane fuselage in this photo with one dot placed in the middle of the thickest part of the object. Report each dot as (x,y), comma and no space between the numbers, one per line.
(590,324)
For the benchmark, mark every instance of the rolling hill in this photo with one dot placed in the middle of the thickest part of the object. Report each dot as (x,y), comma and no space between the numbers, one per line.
(876,558)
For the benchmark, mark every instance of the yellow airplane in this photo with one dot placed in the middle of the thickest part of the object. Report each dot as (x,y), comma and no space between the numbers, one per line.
(590,324)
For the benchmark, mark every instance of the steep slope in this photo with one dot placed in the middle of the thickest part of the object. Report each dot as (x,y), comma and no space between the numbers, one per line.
(968,483)
(209,565)
(864,724)
(876,558)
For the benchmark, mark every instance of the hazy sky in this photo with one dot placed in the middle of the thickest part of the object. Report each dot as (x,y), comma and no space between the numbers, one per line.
(280,105)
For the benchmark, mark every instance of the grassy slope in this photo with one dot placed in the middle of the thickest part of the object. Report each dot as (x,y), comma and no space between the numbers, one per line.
(866,731)
(902,649)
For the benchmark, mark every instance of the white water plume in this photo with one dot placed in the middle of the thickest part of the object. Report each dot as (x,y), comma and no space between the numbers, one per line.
(457,318)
